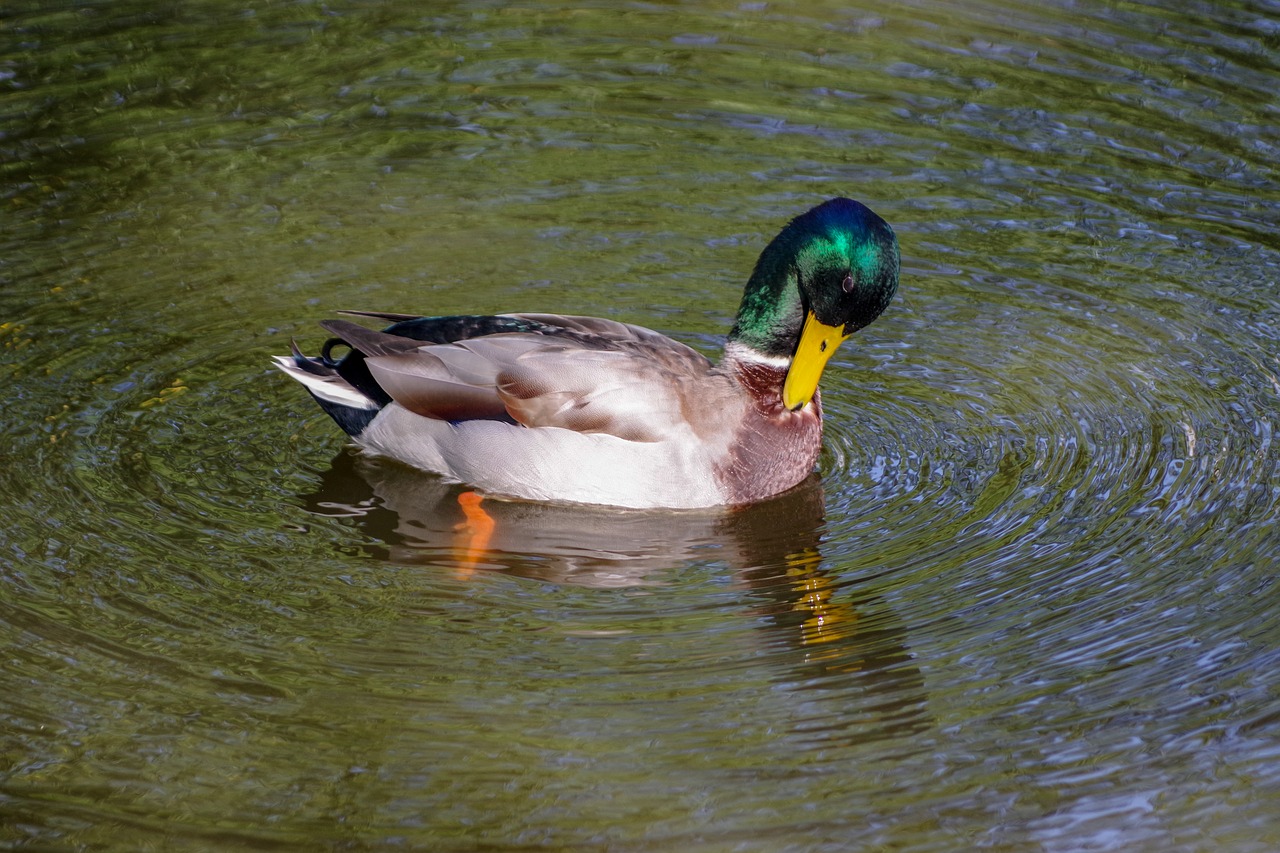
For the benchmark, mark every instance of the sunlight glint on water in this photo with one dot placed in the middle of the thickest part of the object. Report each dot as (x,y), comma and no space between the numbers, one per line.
(1027,603)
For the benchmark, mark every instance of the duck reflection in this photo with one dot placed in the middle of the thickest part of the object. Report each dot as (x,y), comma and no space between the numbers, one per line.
(423,520)
(818,622)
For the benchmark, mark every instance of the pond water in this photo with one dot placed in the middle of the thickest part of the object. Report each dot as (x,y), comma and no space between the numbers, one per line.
(1027,602)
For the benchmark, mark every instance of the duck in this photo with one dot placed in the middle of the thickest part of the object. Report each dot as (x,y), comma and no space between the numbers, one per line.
(575,409)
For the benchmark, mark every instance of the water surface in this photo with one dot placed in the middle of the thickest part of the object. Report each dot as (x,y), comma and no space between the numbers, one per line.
(1027,602)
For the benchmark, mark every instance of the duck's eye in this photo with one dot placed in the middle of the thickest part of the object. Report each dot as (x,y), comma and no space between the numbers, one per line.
(847,284)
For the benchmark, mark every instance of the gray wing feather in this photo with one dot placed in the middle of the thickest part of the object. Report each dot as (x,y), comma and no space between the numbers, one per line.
(611,332)
(594,391)
(421,383)
(608,377)
(367,340)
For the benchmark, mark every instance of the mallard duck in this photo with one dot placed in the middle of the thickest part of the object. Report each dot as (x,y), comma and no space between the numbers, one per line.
(551,407)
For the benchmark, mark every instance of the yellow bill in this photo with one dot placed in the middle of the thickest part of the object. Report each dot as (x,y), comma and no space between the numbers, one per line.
(818,342)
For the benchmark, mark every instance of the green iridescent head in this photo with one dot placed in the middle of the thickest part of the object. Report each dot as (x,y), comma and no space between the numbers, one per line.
(838,263)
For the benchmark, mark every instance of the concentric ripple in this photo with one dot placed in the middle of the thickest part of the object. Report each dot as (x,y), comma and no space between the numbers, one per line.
(1028,602)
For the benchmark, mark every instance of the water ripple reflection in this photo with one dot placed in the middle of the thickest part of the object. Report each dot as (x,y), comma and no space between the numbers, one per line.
(1029,600)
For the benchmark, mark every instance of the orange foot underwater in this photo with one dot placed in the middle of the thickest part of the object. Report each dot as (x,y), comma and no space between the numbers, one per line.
(474,532)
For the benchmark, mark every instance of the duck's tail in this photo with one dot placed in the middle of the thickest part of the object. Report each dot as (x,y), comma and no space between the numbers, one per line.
(351,408)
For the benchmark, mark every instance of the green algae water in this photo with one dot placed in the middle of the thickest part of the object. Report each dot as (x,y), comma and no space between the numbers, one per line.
(1027,602)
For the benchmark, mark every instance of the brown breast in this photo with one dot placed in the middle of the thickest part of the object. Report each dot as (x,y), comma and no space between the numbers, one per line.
(773,448)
